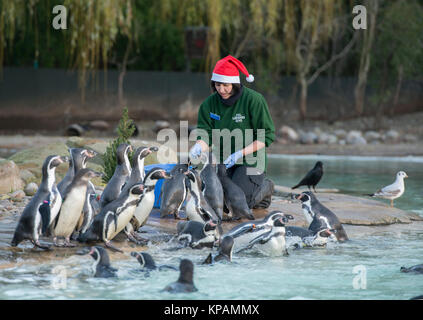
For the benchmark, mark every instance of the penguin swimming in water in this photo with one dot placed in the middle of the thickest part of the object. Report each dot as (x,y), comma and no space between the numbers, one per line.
(271,242)
(234,197)
(41,211)
(225,251)
(113,218)
(312,178)
(185,281)
(72,205)
(174,192)
(197,208)
(302,237)
(319,216)
(101,266)
(197,234)
(414,269)
(120,176)
(145,205)
(244,233)
(147,262)
(212,187)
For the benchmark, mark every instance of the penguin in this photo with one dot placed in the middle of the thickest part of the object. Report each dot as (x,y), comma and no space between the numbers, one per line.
(174,192)
(147,262)
(145,205)
(245,232)
(234,197)
(121,174)
(212,187)
(78,160)
(113,217)
(197,234)
(197,208)
(41,211)
(414,269)
(185,281)
(302,237)
(312,178)
(225,252)
(101,266)
(319,216)
(137,170)
(271,242)
(72,205)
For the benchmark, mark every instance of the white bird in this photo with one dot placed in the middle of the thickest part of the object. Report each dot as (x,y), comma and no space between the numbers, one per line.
(394,190)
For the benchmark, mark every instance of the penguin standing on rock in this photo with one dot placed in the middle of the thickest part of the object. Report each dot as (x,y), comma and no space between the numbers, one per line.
(234,197)
(41,211)
(174,192)
(185,281)
(113,218)
(146,203)
(319,216)
(73,203)
(120,176)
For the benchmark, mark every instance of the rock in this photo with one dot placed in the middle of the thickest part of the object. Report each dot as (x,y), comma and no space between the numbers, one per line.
(372,136)
(160,124)
(410,138)
(341,134)
(75,129)
(18,194)
(332,139)
(392,136)
(308,138)
(342,142)
(99,125)
(288,134)
(10,179)
(355,137)
(31,189)
(27,176)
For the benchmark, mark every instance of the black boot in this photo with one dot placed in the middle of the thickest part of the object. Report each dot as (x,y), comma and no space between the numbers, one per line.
(263,198)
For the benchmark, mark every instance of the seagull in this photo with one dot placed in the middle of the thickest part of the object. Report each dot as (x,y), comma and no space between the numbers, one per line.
(312,178)
(394,190)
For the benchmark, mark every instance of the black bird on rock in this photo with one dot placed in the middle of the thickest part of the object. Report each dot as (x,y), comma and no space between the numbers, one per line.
(312,178)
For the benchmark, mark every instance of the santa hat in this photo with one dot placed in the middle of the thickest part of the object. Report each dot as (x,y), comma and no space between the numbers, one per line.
(227,71)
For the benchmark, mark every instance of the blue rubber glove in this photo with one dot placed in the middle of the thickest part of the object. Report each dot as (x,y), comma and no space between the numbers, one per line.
(195,151)
(232,159)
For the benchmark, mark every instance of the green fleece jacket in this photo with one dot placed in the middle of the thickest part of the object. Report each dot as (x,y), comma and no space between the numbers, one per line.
(250,111)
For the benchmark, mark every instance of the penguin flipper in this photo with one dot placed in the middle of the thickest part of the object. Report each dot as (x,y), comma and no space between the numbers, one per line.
(209,259)
(45,213)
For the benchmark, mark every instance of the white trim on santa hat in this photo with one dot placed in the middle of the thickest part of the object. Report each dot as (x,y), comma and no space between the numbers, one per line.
(225,79)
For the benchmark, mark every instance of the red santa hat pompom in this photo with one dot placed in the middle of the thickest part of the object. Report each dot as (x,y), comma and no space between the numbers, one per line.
(227,71)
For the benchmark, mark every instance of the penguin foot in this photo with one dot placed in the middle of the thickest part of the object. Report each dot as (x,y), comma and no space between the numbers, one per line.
(37,244)
(178,217)
(69,245)
(111,246)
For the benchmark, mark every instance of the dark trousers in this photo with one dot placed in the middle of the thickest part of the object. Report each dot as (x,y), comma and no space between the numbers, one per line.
(257,188)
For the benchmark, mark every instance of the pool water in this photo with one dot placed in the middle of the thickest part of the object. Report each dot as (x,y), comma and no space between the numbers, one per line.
(362,268)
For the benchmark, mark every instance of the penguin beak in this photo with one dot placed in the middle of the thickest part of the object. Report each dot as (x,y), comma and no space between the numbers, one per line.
(154,149)
(83,251)
(63,159)
(166,175)
(134,254)
(91,153)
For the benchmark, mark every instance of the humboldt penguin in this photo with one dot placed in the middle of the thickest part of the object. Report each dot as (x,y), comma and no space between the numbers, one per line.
(197,234)
(41,211)
(147,262)
(234,197)
(185,281)
(212,187)
(299,237)
(145,205)
(120,176)
(414,269)
(319,216)
(101,266)
(246,232)
(72,205)
(197,208)
(225,251)
(174,192)
(312,178)
(113,217)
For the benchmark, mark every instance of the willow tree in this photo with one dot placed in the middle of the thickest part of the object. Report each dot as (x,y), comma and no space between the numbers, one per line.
(309,26)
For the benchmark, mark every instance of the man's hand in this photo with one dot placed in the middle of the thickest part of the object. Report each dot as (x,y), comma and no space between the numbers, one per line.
(195,151)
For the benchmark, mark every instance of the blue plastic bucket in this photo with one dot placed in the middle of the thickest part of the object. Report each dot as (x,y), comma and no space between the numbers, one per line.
(158,189)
